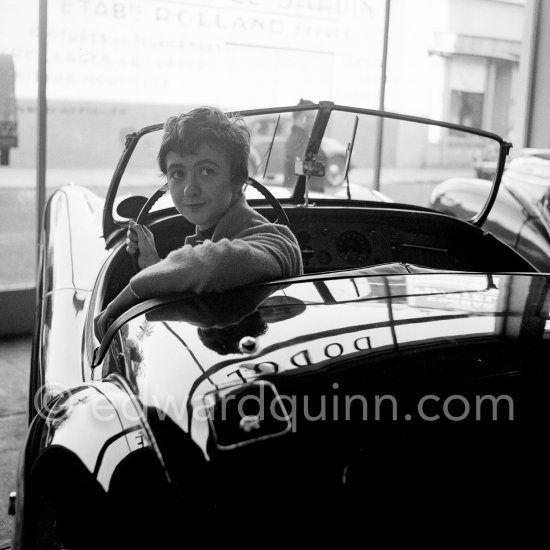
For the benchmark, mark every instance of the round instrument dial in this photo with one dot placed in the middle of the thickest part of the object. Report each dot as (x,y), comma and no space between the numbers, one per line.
(353,247)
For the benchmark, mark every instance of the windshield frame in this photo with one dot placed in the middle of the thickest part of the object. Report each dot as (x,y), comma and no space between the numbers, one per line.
(112,230)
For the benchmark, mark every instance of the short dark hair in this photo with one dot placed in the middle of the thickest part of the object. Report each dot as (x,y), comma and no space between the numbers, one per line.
(187,132)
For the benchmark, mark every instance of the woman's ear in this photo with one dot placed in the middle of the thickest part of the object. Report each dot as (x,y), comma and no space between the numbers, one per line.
(237,191)
(237,186)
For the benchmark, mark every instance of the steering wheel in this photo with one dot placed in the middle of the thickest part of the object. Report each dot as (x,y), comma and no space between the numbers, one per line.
(281,218)
(145,209)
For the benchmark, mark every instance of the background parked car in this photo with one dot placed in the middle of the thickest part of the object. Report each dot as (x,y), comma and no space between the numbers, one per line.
(520,216)
(263,131)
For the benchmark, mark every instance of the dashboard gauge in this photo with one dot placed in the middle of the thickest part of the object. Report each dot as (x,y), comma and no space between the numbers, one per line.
(324,257)
(353,247)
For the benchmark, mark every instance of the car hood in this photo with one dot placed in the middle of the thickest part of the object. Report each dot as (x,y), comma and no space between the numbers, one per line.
(182,354)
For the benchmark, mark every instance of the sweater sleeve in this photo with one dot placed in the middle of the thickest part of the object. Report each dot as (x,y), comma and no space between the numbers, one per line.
(257,254)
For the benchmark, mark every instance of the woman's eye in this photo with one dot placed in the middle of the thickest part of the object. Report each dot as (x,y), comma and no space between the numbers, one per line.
(205,171)
(176,174)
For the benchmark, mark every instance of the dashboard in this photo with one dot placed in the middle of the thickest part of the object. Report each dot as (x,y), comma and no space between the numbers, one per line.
(345,237)
(332,246)
(337,238)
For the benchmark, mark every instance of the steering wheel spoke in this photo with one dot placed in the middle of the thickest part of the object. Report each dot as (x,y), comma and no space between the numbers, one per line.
(281,218)
(145,209)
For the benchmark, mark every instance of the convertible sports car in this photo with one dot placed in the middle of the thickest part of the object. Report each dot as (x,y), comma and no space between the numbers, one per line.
(395,389)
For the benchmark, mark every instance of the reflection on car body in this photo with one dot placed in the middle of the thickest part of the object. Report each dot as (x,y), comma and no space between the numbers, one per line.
(397,381)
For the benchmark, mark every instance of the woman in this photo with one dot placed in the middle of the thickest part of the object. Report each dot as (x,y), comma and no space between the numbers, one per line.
(204,155)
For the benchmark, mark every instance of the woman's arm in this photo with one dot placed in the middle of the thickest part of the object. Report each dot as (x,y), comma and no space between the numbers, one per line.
(257,255)
(125,300)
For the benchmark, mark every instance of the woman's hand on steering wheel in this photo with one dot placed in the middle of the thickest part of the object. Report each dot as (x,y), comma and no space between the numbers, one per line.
(137,262)
(140,240)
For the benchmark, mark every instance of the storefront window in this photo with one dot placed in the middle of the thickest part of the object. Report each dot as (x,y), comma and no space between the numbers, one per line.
(114,67)
(18,92)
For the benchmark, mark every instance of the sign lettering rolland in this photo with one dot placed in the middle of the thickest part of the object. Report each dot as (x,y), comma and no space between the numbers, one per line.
(180,52)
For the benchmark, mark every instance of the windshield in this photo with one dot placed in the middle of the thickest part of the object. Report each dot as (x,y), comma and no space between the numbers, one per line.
(387,159)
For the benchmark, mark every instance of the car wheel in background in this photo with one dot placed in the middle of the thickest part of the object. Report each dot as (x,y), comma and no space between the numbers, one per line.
(334,171)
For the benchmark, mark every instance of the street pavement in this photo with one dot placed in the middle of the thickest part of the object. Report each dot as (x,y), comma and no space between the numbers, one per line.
(15,356)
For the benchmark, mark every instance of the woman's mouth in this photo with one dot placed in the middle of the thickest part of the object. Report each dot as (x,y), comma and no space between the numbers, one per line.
(195,206)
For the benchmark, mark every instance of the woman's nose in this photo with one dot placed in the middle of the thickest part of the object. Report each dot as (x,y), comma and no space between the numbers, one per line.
(192,188)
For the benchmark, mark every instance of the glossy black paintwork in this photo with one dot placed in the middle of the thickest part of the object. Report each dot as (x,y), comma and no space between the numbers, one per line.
(177,353)
(71,254)
(158,391)
(172,355)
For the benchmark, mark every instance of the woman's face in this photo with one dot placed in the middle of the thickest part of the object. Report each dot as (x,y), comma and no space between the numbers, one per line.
(200,185)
